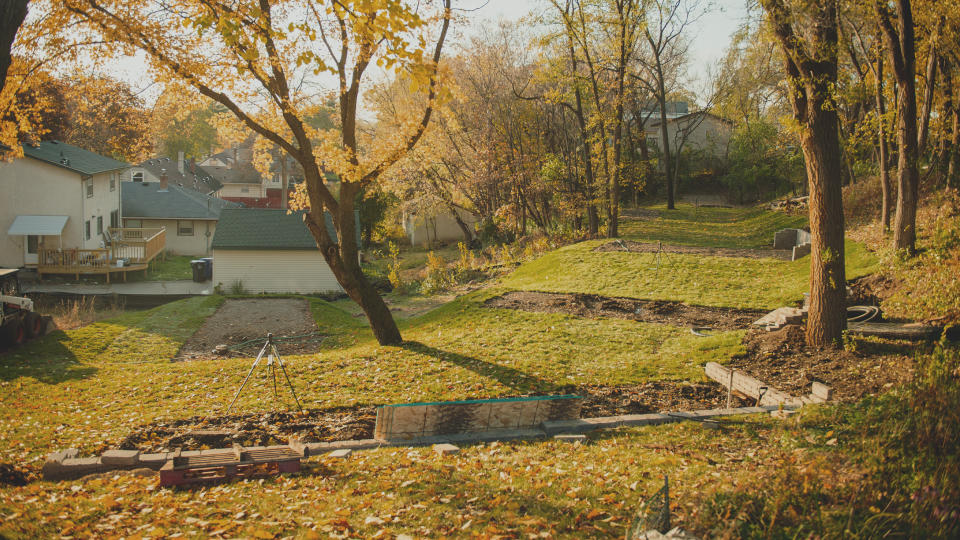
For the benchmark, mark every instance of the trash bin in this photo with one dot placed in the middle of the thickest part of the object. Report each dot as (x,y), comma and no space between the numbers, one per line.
(208,267)
(199,270)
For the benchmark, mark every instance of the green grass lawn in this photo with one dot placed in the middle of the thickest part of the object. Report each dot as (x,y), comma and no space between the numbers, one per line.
(694,279)
(173,267)
(712,227)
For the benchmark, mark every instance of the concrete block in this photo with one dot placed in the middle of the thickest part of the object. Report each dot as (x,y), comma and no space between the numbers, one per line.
(445,449)
(822,391)
(120,457)
(150,459)
(800,251)
(342,453)
(785,239)
(645,419)
(571,438)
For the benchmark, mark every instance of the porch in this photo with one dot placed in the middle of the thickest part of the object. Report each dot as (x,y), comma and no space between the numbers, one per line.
(127,250)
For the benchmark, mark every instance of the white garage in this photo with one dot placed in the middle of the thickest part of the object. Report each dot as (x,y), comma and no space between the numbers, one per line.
(269,251)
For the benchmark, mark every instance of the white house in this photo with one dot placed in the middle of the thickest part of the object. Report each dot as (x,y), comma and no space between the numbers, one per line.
(265,250)
(702,133)
(56,197)
(189,217)
(423,229)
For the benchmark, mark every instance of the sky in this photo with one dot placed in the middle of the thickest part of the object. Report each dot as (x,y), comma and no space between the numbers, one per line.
(710,35)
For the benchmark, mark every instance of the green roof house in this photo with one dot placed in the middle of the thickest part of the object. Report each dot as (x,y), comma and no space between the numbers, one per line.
(265,250)
(57,197)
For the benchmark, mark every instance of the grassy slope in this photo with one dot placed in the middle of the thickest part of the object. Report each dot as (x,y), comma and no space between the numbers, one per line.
(716,227)
(710,281)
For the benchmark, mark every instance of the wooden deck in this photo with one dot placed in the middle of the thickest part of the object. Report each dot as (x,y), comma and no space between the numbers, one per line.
(130,250)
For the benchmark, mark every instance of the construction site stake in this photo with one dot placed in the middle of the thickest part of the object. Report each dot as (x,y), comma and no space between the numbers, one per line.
(730,389)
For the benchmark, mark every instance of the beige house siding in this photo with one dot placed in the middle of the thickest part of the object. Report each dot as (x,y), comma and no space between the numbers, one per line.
(198,244)
(440,228)
(274,271)
(710,136)
(236,190)
(33,187)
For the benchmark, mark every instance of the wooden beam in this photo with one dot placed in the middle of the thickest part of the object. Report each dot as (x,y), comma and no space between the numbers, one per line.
(749,386)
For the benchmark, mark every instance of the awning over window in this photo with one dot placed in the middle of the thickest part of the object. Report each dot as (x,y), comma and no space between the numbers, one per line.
(38,225)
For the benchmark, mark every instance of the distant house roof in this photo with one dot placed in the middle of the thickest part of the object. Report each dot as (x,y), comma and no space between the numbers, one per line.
(72,158)
(245,174)
(198,179)
(261,228)
(146,200)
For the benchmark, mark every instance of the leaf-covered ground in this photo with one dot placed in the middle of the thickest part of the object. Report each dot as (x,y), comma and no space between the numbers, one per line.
(87,388)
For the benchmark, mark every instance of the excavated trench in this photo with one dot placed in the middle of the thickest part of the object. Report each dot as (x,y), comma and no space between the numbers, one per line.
(649,311)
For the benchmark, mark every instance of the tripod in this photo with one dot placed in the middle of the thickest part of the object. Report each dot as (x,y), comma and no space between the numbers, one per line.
(273,360)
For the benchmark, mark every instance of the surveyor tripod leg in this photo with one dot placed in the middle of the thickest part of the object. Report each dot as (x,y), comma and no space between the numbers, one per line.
(249,373)
(290,384)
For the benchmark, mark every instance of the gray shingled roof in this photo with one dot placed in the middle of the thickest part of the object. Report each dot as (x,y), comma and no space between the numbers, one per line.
(265,228)
(72,158)
(201,180)
(245,174)
(145,200)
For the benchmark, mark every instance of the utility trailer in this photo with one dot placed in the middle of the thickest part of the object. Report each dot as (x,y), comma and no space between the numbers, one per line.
(18,321)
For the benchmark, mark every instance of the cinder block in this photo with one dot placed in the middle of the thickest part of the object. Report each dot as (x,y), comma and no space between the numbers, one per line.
(342,453)
(120,457)
(822,391)
(800,251)
(445,449)
(785,239)
(646,419)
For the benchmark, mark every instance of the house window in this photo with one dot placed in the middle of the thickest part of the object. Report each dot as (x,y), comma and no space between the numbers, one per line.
(90,188)
(115,218)
(86,229)
(137,176)
(113,181)
(184,228)
(33,244)
(99,225)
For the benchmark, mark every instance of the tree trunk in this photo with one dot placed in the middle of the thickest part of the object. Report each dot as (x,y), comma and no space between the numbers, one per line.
(343,258)
(927,106)
(665,142)
(883,147)
(826,318)
(467,233)
(11,17)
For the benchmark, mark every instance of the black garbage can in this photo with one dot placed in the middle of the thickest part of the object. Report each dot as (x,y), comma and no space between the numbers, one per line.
(199,270)
(208,267)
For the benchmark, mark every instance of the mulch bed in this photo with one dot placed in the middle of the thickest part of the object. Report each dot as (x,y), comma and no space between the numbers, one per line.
(650,311)
(640,247)
(351,423)
(782,360)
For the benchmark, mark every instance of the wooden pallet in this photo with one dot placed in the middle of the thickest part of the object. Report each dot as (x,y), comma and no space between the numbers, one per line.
(227,465)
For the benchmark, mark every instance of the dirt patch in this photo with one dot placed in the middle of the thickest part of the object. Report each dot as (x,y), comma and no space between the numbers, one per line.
(255,429)
(640,247)
(654,396)
(651,311)
(12,476)
(350,423)
(238,321)
(782,359)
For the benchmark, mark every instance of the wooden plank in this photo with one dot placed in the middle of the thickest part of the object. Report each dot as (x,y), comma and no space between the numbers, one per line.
(749,386)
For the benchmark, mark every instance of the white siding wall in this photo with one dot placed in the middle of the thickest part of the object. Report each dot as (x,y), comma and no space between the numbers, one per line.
(198,244)
(440,228)
(236,190)
(276,271)
(32,187)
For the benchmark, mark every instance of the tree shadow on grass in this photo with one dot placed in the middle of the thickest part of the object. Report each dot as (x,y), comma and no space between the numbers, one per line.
(46,360)
(505,375)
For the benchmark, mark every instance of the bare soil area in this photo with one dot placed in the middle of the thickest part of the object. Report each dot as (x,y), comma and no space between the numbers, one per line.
(782,359)
(640,247)
(351,423)
(241,320)
(651,311)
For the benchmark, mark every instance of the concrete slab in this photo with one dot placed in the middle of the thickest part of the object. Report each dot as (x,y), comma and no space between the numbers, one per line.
(342,453)
(445,449)
(120,457)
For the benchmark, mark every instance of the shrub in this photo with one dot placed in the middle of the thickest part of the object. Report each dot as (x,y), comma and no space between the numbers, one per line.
(438,276)
(394,273)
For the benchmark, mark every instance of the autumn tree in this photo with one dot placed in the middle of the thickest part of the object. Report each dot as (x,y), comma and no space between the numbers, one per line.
(253,58)
(807,32)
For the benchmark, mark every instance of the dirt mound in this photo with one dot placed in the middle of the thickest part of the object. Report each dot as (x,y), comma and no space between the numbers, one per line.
(639,247)
(651,311)
(243,324)
(256,429)
(12,476)
(654,396)
(782,359)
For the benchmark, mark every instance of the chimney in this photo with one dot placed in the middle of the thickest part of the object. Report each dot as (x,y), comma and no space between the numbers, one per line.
(163,180)
(236,151)
(193,166)
(180,162)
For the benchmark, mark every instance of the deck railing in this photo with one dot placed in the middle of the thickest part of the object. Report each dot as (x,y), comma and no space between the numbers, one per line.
(136,247)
